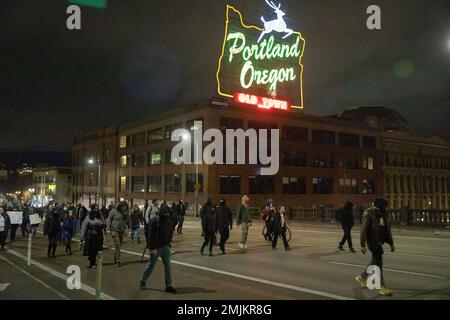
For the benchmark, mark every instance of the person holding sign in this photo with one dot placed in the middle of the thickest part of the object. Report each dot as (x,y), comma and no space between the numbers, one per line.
(16,220)
(4,227)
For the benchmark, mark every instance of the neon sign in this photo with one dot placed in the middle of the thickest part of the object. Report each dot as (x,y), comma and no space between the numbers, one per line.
(261,62)
(261,102)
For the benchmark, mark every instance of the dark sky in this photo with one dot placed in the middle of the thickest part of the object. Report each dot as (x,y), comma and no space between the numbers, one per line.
(137,58)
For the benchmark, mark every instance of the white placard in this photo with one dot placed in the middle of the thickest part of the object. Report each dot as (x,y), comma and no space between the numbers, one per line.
(15,217)
(35,219)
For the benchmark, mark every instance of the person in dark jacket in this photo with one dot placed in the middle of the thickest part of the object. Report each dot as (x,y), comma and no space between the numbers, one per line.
(5,224)
(92,236)
(267,216)
(181,214)
(174,216)
(53,231)
(209,226)
(25,227)
(224,223)
(375,231)
(279,228)
(68,231)
(135,220)
(158,244)
(347,220)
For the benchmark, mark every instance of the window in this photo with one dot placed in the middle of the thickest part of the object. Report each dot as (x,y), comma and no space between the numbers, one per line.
(230,184)
(369,142)
(368,163)
(348,186)
(154,183)
(324,160)
(123,161)
(124,141)
(295,133)
(348,140)
(323,137)
(368,186)
(138,138)
(138,159)
(293,158)
(154,157)
(171,128)
(173,183)
(231,123)
(350,162)
(155,135)
(123,183)
(138,184)
(190,181)
(294,185)
(261,184)
(322,185)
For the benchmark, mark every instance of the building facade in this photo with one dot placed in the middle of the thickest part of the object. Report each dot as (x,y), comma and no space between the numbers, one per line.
(51,184)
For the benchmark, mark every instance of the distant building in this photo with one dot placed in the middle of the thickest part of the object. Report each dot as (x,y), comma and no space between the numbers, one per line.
(51,184)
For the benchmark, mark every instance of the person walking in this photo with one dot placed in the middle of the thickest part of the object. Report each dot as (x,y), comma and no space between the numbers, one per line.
(224,223)
(209,226)
(345,216)
(25,226)
(135,220)
(174,216)
(92,236)
(243,220)
(375,231)
(267,216)
(181,214)
(150,212)
(53,231)
(68,231)
(158,244)
(116,225)
(5,224)
(279,228)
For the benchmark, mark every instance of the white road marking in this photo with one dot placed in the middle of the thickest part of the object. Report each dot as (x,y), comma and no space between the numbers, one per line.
(34,278)
(3,286)
(392,270)
(61,276)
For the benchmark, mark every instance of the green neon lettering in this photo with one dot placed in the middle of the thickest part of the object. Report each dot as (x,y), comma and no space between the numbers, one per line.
(247,66)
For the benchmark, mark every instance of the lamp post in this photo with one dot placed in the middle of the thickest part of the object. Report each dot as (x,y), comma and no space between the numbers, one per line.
(92,161)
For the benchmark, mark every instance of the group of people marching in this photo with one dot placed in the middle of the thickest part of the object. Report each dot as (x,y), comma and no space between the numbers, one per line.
(61,224)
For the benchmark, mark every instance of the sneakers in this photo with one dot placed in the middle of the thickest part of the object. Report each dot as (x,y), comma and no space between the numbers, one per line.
(287,248)
(171,290)
(274,248)
(172,252)
(352,250)
(341,248)
(142,285)
(385,291)
(118,265)
(245,246)
(362,281)
(241,245)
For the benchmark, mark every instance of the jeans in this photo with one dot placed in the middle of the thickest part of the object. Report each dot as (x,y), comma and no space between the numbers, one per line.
(52,244)
(117,238)
(244,235)
(347,236)
(164,253)
(137,233)
(276,234)
(180,224)
(377,260)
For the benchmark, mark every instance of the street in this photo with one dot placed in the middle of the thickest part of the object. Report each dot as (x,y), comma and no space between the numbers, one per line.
(313,269)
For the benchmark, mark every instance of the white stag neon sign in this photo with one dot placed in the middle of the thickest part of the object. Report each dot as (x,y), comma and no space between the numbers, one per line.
(278,24)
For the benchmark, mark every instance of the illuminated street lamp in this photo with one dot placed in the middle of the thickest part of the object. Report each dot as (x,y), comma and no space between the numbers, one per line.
(91,161)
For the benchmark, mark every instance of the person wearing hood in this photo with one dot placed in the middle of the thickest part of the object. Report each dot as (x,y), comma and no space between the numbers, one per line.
(68,231)
(53,232)
(5,224)
(224,222)
(375,231)
(209,226)
(345,216)
(116,225)
(181,214)
(92,236)
(158,240)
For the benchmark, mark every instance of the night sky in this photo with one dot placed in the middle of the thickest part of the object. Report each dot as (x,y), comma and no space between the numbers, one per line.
(137,58)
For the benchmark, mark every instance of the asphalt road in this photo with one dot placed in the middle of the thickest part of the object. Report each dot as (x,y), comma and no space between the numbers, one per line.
(313,269)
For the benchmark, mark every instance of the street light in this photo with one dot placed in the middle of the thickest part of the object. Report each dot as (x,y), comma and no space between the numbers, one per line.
(92,161)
